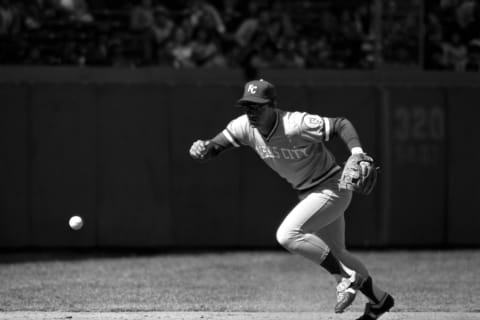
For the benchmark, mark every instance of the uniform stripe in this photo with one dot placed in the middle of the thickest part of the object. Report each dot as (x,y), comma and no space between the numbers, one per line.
(230,138)
(270,134)
(327,128)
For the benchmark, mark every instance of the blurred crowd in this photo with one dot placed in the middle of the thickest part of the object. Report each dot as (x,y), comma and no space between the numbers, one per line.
(453,35)
(185,34)
(250,34)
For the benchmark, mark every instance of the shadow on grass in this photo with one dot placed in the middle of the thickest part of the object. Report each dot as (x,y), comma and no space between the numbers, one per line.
(8,256)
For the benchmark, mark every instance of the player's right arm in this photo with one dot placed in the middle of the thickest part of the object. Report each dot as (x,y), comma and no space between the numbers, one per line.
(234,135)
(206,149)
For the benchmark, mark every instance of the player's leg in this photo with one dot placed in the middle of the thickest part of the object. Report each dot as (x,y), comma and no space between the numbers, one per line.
(334,236)
(297,234)
(297,231)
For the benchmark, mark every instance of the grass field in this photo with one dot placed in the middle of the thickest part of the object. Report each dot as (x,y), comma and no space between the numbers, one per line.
(441,284)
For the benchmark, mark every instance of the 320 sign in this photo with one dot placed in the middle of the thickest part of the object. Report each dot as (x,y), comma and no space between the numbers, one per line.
(418,135)
(419,123)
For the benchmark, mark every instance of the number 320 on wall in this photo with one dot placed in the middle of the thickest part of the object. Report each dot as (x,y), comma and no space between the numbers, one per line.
(419,124)
(418,135)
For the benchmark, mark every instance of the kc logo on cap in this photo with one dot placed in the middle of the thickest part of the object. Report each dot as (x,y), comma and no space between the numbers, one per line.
(252,88)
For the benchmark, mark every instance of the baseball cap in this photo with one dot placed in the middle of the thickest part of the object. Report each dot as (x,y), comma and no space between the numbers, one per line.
(258,91)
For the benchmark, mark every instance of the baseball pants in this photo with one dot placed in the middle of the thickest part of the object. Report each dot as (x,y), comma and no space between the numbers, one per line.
(316,225)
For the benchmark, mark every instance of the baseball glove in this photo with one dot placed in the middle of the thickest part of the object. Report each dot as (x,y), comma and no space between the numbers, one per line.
(359,174)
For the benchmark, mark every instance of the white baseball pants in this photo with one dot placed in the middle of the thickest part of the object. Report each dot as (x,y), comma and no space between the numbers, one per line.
(316,225)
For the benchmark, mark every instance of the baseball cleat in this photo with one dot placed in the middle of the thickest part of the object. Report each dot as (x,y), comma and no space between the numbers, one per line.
(346,291)
(344,299)
(374,311)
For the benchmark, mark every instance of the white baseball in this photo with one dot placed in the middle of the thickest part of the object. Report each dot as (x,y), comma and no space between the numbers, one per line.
(76,222)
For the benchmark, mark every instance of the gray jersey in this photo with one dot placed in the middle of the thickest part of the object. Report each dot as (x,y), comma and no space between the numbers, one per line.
(294,148)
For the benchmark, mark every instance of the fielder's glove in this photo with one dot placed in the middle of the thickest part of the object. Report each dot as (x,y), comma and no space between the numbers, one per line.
(359,174)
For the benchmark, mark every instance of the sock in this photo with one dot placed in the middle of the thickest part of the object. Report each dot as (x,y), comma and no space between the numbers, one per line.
(369,291)
(332,265)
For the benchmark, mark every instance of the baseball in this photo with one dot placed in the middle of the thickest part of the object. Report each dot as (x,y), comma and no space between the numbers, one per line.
(76,222)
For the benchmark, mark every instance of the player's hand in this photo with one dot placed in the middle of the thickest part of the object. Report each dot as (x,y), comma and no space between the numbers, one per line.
(198,150)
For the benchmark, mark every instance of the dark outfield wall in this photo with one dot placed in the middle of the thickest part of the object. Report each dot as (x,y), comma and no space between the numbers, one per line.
(112,146)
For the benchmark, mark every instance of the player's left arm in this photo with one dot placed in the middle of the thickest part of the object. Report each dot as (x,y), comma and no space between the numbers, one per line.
(359,172)
(343,128)
(315,128)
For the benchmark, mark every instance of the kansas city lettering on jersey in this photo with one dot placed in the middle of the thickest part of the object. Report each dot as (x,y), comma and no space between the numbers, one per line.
(281,153)
(294,148)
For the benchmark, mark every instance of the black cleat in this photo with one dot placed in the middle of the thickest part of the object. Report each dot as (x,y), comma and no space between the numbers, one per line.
(374,311)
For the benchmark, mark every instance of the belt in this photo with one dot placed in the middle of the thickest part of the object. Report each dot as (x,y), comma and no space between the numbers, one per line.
(318,180)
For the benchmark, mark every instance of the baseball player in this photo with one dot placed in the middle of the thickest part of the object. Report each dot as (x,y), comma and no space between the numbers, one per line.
(292,144)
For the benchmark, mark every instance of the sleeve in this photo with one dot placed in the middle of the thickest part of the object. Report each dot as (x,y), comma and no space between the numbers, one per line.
(237,131)
(314,128)
(345,129)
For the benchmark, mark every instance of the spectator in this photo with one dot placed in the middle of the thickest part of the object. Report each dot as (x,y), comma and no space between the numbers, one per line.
(468,17)
(306,51)
(328,23)
(232,15)
(69,54)
(473,61)
(369,52)
(34,57)
(141,17)
(433,41)
(162,30)
(454,53)
(363,19)
(187,28)
(118,56)
(203,14)
(267,57)
(97,51)
(348,43)
(290,56)
(76,10)
(282,19)
(9,18)
(465,13)
(205,50)
(246,30)
(32,15)
(141,24)
(162,26)
(322,50)
(434,51)
(180,49)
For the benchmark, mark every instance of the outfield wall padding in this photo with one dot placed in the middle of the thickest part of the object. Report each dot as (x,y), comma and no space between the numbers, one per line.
(417,144)
(117,154)
(134,166)
(62,163)
(15,220)
(463,222)
(205,196)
